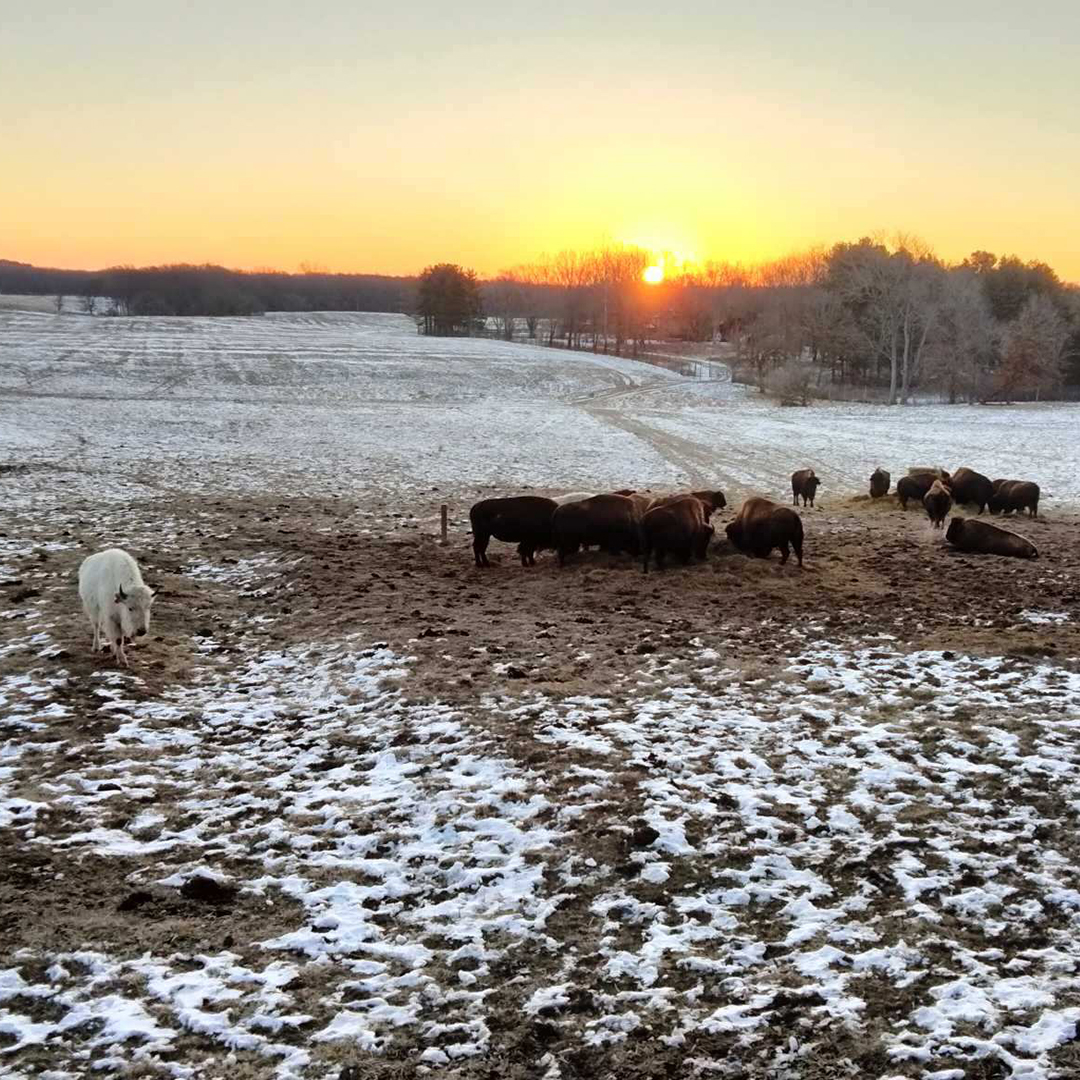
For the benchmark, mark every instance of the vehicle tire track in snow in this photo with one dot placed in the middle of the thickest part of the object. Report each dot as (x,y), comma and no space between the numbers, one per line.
(691,459)
(627,389)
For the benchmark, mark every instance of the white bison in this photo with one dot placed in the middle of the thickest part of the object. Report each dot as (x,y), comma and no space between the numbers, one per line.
(115,599)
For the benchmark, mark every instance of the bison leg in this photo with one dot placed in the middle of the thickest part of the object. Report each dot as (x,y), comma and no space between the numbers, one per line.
(479,546)
(784,552)
(526,554)
(796,543)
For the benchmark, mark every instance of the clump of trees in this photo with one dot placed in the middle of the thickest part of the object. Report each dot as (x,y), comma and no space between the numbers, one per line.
(448,300)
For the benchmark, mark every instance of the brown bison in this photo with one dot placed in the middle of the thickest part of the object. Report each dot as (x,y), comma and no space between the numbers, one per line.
(982,538)
(609,522)
(642,503)
(1010,495)
(679,528)
(804,483)
(761,525)
(879,483)
(916,484)
(938,503)
(524,520)
(971,488)
(712,500)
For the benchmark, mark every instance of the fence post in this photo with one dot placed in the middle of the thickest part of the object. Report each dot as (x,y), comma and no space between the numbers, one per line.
(442,516)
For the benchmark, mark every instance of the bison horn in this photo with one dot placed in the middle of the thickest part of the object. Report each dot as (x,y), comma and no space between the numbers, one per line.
(120,594)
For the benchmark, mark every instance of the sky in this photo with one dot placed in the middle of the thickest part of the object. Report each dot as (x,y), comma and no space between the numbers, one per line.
(354,136)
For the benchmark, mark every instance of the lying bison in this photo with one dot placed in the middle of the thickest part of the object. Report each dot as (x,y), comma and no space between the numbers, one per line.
(804,483)
(609,522)
(879,483)
(679,528)
(1014,495)
(916,484)
(524,520)
(938,503)
(970,488)
(761,525)
(982,538)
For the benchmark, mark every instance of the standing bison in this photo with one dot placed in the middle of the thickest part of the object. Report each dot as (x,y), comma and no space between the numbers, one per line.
(938,503)
(606,521)
(804,484)
(982,538)
(524,520)
(971,488)
(1014,495)
(917,483)
(879,483)
(711,500)
(115,599)
(679,528)
(761,525)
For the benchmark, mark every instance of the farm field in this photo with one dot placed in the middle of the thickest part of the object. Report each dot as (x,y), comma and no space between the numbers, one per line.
(358,809)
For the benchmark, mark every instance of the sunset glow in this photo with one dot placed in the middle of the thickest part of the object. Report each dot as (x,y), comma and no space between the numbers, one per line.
(272,136)
(652,275)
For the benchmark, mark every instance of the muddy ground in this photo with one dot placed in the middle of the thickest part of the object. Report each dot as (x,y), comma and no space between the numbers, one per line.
(375,568)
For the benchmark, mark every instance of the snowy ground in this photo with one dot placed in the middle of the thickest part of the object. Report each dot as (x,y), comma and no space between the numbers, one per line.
(302,403)
(360,810)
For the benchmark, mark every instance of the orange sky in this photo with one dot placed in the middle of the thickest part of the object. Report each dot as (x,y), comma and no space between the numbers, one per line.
(271,135)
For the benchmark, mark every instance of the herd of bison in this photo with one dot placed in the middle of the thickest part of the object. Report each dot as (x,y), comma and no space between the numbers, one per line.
(653,527)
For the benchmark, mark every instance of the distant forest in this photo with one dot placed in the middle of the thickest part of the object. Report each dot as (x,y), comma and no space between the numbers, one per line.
(209,290)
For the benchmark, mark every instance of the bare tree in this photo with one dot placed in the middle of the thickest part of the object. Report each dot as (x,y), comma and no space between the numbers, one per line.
(58,303)
(896,295)
(88,302)
(963,348)
(503,299)
(1033,353)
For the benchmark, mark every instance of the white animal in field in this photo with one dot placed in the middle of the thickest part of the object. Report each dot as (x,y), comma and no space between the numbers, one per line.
(115,599)
(573,496)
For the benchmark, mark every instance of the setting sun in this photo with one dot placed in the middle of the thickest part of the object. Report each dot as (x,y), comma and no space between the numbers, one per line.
(653,275)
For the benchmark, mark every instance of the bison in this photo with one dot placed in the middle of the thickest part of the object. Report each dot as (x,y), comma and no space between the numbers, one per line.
(917,483)
(879,483)
(115,599)
(971,488)
(679,527)
(938,503)
(1010,495)
(712,500)
(804,483)
(982,538)
(761,525)
(606,521)
(573,496)
(524,520)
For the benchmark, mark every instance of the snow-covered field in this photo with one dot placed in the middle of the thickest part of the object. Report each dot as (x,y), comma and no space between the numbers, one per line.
(360,810)
(312,402)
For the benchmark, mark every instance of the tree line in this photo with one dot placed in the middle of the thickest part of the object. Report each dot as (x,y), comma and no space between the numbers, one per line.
(880,314)
(879,317)
(209,290)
